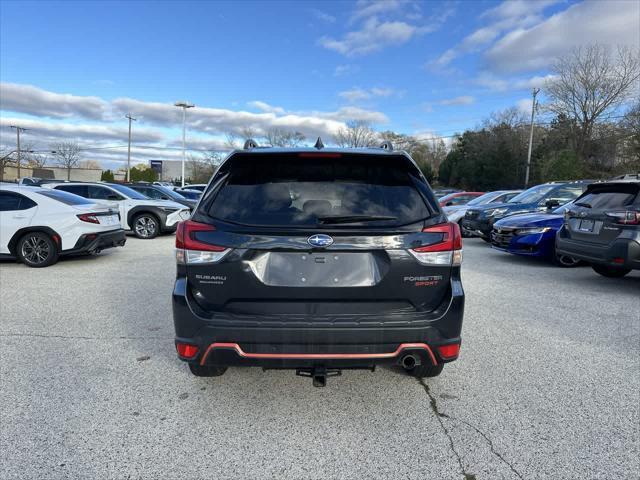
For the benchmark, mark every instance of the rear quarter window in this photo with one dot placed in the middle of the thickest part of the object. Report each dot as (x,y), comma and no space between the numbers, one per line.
(64,197)
(292,191)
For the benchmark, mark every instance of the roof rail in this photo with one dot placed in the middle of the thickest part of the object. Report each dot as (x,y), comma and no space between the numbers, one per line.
(249,144)
(319,145)
(386,145)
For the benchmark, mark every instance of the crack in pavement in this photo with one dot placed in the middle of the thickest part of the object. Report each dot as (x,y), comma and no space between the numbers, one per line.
(68,337)
(440,416)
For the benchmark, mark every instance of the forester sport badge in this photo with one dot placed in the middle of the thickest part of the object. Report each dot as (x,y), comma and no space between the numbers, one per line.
(320,240)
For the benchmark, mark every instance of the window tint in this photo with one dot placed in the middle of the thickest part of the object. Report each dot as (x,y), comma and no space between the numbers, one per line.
(509,196)
(605,199)
(152,193)
(102,193)
(76,189)
(64,197)
(128,192)
(10,201)
(534,194)
(487,198)
(304,191)
(566,194)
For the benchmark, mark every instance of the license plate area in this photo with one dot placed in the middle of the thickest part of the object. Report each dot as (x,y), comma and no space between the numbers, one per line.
(108,219)
(586,226)
(316,269)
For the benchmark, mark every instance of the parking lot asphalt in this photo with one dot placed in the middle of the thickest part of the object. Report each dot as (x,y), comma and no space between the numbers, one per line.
(547,385)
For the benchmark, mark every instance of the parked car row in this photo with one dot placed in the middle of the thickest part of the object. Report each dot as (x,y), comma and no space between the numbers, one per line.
(41,223)
(567,223)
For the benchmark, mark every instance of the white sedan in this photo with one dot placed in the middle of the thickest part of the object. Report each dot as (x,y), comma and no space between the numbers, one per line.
(39,225)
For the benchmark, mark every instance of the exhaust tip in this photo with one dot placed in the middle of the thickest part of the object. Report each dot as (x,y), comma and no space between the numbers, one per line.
(409,361)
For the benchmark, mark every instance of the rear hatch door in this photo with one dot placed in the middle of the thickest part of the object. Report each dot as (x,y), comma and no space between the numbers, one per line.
(597,216)
(319,235)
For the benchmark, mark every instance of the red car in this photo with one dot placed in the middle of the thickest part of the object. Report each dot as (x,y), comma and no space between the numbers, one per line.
(458,198)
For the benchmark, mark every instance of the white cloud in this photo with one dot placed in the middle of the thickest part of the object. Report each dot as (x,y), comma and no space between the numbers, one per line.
(36,101)
(501,84)
(462,100)
(58,130)
(612,22)
(369,8)
(265,107)
(342,70)
(372,37)
(524,105)
(357,94)
(323,16)
(536,81)
(507,15)
(345,114)
(157,124)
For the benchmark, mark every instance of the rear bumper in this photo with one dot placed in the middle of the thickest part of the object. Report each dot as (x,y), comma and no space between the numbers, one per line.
(621,253)
(309,342)
(92,242)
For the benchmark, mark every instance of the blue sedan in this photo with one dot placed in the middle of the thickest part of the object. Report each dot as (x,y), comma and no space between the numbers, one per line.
(532,235)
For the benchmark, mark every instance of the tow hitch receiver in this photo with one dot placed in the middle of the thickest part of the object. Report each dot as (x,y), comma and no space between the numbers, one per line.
(319,374)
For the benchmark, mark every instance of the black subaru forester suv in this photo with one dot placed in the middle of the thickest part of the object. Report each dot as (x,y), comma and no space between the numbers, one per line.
(318,260)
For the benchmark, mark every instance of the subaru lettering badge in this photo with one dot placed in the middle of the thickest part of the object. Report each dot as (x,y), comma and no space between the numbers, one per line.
(320,240)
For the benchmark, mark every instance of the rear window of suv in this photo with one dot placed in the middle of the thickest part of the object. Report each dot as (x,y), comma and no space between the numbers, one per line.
(606,197)
(294,191)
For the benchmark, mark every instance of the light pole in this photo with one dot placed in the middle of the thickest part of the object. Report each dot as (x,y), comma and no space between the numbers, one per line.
(128,115)
(18,130)
(533,112)
(184,105)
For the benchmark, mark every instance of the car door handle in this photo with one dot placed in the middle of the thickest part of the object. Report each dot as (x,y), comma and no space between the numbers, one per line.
(19,216)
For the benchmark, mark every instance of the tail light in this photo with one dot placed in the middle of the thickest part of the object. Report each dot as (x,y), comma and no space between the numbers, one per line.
(448,251)
(190,251)
(186,350)
(89,218)
(449,352)
(622,217)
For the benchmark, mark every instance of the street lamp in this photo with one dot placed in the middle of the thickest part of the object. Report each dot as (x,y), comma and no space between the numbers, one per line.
(184,105)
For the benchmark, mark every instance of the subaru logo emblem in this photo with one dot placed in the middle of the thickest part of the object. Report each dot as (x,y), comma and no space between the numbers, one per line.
(320,240)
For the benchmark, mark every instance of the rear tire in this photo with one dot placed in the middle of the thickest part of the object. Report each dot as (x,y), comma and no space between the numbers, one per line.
(37,250)
(146,226)
(425,371)
(206,370)
(610,272)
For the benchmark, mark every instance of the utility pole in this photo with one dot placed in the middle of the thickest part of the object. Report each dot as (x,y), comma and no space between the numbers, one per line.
(18,130)
(184,105)
(535,92)
(128,115)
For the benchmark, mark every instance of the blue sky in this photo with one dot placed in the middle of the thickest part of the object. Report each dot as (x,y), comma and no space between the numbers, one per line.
(72,69)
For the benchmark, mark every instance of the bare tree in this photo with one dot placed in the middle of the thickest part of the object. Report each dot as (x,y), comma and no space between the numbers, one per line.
(277,137)
(7,158)
(67,155)
(231,140)
(590,83)
(399,141)
(357,133)
(248,132)
(630,141)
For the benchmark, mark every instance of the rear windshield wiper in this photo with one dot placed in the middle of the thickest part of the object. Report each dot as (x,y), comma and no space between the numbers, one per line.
(353,218)
(583,204)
